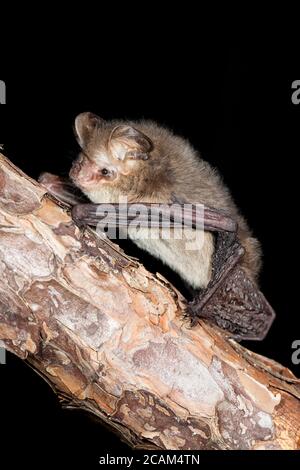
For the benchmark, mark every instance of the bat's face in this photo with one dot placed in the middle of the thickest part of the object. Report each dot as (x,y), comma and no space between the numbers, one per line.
(90,170)
(109,152)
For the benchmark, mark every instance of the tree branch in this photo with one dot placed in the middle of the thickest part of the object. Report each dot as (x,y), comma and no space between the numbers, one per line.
(110,338)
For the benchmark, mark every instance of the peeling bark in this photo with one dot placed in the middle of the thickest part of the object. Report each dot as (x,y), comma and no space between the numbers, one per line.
(110,338)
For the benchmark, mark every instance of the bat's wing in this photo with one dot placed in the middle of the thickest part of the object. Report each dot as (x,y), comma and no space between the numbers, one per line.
(231,300)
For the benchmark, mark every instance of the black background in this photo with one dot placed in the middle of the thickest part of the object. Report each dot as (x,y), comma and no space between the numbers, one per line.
(234,105)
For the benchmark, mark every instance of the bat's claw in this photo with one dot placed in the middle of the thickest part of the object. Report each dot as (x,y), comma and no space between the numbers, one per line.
(192,313)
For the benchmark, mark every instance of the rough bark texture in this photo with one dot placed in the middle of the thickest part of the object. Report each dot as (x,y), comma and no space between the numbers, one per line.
(110,337)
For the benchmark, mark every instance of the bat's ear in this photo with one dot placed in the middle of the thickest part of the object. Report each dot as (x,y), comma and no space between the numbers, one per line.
(84,125)
(128,142)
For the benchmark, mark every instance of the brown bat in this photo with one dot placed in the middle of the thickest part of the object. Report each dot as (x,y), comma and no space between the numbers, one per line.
(148,165)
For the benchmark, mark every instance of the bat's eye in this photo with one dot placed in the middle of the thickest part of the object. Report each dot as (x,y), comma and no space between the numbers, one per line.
(104,171)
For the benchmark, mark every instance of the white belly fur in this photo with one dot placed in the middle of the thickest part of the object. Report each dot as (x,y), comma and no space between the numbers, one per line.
(194,266)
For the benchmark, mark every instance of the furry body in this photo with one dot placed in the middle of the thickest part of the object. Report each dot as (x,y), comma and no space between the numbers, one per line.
(148,163)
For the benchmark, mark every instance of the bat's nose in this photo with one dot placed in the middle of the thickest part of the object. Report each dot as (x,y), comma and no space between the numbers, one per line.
(84,172)
(75,168)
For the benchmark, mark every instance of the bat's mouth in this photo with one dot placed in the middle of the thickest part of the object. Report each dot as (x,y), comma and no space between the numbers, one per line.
(85,183)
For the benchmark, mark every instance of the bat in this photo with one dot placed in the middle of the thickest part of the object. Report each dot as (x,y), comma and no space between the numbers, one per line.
(231,300)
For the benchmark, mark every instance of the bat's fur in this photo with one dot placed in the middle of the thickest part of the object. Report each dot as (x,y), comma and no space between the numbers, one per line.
(146,162)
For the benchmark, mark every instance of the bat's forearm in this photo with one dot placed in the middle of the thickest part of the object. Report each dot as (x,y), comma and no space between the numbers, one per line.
(155,215)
